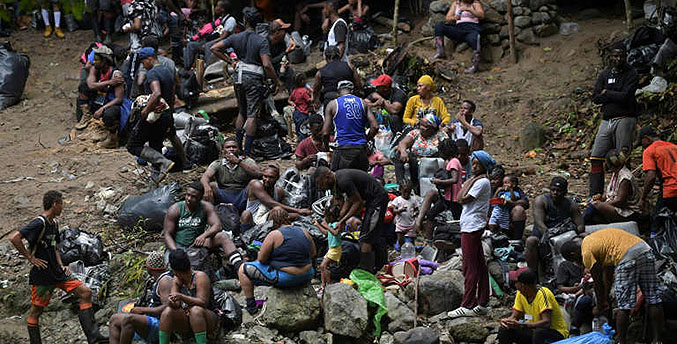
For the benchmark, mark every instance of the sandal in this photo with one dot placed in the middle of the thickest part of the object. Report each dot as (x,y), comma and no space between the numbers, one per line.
(461,312)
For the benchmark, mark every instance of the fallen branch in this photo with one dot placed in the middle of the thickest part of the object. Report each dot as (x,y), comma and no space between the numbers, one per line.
(43,146)
(422,39)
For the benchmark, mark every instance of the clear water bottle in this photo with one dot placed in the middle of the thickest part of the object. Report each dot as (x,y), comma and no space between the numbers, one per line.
(408,249)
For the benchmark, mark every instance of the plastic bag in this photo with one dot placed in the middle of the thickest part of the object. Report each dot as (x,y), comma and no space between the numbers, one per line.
(363,40)
(95,278)
(664,242)
(189,88)
(350,259)
(230,218)
(227,309)
(13,74)
(203,144)
(271,148)
(320,239)
(256,233)
(297,187)
(588,338)
(79,245)
(382,141)
(370,288)
(148,210)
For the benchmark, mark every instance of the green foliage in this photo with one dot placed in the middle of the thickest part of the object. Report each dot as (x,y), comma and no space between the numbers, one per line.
(76,7)
(133,275)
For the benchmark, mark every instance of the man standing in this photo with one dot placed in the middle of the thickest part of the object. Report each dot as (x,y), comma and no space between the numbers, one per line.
(328,77)
(194,222)
(143,15)
(48,271)
(389,99)
(232,174)
(615,90)
(659,161)
(467,127)
(253,52)
(338,34)
(143,321)
(154,129)
(633,264)
(350,116)
(358,187)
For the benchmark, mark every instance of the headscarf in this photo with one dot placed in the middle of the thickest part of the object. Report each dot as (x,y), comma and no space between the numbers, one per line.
(485,159)
(433,120)
(427,80)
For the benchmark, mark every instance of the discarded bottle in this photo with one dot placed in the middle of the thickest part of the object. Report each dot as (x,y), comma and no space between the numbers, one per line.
(408,249)
(568,28)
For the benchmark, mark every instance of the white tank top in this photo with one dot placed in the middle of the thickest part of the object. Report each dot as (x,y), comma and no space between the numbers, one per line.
(331,39)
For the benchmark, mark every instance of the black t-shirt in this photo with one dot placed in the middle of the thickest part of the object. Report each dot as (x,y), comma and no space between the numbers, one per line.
(396,96)
(332,73)
(340,31)
(568,274)
(350,181)
(166,78)
(248,46)
(45,249)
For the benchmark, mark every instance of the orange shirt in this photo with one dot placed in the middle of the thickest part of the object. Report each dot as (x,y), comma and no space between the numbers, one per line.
(661,157)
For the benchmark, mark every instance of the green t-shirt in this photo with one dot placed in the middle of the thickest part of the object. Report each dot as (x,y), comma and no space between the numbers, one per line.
(190,225)
(333,240)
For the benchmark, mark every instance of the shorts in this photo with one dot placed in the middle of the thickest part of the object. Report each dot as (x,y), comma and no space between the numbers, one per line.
(334,253)
(373,223)
(265,275)
(237,198)
(250,94)
(615,133)
(500,217)
(40,294)
(152,331)
(353,156)
(409,231)
(640,271)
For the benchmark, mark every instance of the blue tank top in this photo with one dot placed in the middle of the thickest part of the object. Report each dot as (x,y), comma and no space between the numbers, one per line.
(350,121)
(294,251)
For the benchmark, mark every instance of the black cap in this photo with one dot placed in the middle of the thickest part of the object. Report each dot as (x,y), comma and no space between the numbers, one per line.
(560,182)
(646,131)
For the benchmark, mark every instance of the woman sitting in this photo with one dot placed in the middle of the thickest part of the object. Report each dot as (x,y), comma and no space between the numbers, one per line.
(419,143)
(620,202)
(284,260)
(425,103)
(462,25)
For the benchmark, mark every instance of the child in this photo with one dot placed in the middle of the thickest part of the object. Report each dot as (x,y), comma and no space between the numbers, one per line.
(300,99)
(405,208)
(510,193)
(328,227)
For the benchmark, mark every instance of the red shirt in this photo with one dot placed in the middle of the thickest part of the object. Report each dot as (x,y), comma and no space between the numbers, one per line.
(661,157)
(307,147)
(301,98)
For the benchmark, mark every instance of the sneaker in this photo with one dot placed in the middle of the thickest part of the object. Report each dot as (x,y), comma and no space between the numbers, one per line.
(480,310)
(48,31)
(461,312)
(58,32)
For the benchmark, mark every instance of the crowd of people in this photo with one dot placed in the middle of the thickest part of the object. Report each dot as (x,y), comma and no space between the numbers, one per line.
(337,150)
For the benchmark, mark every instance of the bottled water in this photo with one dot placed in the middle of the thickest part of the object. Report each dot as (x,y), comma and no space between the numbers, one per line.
(408,249)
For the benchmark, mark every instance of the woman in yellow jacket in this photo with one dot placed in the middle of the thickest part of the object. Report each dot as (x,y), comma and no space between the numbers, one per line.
(424,103)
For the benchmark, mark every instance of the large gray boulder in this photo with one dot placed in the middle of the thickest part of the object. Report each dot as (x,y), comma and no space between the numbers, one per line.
(345,310)
(540,18)
(532,136)
(418,335)
(522,21)
(440,6)
(492,15)
(536,4)
(468,330)
(291,310)
(440,292)
(526,36)
(401,316)
(545,30)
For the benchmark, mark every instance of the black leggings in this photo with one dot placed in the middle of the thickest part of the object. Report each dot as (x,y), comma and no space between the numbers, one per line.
(528,335)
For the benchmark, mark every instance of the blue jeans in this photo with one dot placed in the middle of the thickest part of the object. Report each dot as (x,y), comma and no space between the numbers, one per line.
(237,198)
(463,32)
(191,51)
(299,119)
(152,331)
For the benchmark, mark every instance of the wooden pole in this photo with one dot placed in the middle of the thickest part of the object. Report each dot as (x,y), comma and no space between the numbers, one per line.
(511,32)
(628,15)
(396,16)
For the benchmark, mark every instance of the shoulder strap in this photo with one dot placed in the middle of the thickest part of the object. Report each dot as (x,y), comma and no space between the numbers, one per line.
(42,233)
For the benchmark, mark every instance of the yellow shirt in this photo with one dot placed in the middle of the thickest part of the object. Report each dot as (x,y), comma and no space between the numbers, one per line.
(543,301)
(607,246)
(416,106)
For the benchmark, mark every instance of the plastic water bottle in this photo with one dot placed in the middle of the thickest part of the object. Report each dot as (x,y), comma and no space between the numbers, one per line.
(408,249)
(566,29)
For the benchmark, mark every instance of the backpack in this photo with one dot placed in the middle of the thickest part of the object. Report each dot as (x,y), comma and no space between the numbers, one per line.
(189,88)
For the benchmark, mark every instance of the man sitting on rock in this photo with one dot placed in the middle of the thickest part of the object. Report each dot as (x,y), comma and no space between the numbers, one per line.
(143,321)
(284,260)
(263,195)
(232,173)
(551,210)
(536,316)
(390,99)
(194,222)
(190,302)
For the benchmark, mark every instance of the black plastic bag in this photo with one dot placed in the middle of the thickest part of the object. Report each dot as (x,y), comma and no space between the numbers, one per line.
(230,218)
(641,57)
(664,242)
(320,239)
(80,245)
(202,144)
(13,74)
(189,88)
(363,41)
(148,210)
(271,148)
(94,277)
(256,233)
(350,258)
(228,310)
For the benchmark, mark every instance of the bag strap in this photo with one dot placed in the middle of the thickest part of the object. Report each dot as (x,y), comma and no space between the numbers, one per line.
(42,234)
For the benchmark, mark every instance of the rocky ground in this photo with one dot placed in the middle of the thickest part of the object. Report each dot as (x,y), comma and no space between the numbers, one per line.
(547,87)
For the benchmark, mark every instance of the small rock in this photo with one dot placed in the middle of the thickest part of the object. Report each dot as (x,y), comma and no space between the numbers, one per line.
(491,27)
(291,310)
(493,39)
(344,305)
(400,315)
(527,36)
(520,2)
(89,185)
(492,339)
(536,4)
(540,18)
(522,21)
(261,334)
(387,338)
(545,30)
(499,5)
(493,16)
(311,337)
(418,335)
(521,11)
(468,330)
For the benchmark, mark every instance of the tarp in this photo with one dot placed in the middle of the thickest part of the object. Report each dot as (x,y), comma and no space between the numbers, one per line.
(370,288)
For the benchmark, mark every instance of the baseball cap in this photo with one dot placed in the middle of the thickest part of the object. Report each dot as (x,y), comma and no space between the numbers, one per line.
(382,80)
(345,85)
(282,24)
(146,52)
(646,131)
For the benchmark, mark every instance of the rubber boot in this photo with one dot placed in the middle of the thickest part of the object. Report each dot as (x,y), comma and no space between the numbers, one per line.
(109,26)
(86,116)
(439,48)
(475,63)
(367,261)
(156,158)
(111,142)
(34,335)
(96,28)
(86,317)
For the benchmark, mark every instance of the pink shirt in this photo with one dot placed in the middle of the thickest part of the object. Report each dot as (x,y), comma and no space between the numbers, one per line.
(466,17)
(452,192)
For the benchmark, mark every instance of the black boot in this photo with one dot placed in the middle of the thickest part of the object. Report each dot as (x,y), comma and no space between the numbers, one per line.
(34,334)
(96,28)
(90,327)
(109,26)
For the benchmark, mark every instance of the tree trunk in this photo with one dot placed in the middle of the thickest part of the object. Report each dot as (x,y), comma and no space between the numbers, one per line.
(396,16)
(628,15)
